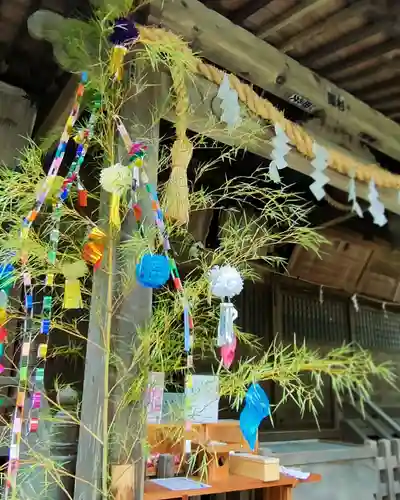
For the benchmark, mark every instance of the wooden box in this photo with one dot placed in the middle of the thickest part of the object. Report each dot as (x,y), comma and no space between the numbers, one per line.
(254,466)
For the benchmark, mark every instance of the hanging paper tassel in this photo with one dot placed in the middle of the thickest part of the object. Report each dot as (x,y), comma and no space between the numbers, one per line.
(72,294)
(376,208)
(256,408)
(229,103)
(226,282)
(320,163)
(82,194)
(228,353)
(93,249)
(117,61)
(115,217)
(124,34)
(281,149)
(228,314)
(72,288)
(353,197)
(116,180)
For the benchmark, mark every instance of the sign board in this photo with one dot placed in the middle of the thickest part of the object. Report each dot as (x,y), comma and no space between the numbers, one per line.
(203,399)
(154,397)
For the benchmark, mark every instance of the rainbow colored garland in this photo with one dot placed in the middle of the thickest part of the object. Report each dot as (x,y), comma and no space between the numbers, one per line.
(34,383)
(137,152)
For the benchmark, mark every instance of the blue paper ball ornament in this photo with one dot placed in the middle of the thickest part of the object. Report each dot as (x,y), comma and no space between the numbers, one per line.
(153,271)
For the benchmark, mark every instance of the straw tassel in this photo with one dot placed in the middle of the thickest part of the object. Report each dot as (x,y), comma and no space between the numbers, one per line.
(177,189)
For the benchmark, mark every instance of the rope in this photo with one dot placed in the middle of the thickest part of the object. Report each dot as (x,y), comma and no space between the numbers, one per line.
(336,204)
(259,106)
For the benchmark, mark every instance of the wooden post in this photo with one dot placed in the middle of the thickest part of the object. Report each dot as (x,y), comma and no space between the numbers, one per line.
(128,432)
(90,446)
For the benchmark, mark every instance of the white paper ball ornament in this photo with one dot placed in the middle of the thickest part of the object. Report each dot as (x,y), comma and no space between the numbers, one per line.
(116,179)
(225,281)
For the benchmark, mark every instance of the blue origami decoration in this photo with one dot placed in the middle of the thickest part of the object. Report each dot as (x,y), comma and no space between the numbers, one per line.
(153,271)
(7,277)
(256,408)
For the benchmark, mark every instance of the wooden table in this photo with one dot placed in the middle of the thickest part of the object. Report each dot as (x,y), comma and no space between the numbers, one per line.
(273,490)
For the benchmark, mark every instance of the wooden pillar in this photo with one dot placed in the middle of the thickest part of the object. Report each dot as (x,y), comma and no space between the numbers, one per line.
(90,447)
(127,431)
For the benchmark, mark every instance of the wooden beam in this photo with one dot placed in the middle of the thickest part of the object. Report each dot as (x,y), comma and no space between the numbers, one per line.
(240,52)
(357,9)
(323,56)
(388,105)
(376,76)
(292,15)
(350,64)
(202,101)
(242,13)
(382,99)
(58,114)
(386,87)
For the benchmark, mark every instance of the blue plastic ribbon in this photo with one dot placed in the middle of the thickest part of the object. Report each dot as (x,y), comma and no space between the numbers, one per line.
(256,408)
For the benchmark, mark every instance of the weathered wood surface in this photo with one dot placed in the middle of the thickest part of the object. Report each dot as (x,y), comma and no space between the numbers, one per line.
(242,53)
(134,312)
(90,447)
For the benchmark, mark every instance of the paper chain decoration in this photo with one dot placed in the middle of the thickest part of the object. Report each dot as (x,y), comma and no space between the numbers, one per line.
(136,152)
(281,149)
(230,103)
(35,383)
(7,279)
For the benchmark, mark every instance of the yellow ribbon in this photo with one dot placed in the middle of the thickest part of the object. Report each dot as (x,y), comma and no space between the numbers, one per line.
(117,60)
(115,218)
(72,294)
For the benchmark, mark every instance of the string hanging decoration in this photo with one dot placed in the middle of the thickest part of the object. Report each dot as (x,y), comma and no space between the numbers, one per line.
(229,103)
(320,163)
(376,207)
(55,191)
(136,153)
(226,283)
(7,280)
(281,149)
(353,197)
